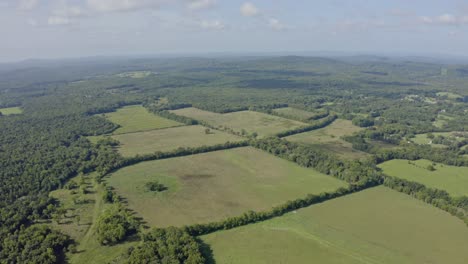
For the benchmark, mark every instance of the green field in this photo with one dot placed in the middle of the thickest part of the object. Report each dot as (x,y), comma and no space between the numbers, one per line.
(11,111)
(136,118)
(135,74)
(294,112)
(452,179)
(328,138)
(422,139)
(82,229)
(251,121)
(215,185)
(169,139)
(375,226)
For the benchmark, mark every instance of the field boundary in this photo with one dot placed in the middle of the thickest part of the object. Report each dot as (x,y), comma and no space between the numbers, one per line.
(251,217)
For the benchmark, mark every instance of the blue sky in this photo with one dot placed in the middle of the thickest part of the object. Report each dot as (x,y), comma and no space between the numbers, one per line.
(75,28)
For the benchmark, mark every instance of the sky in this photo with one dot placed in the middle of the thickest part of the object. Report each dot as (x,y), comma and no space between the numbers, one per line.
(81,28)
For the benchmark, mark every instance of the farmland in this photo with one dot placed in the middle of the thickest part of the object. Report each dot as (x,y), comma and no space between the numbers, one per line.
(377,225)
(169,139)
(294,113)
(248,183)
(136,118)
(250,121)
(452,179)
(11,111)
(215,185)
(329,138)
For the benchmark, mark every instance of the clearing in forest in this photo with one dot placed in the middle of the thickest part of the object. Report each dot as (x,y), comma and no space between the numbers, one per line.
(169,139)
(250,121)
(329,138)
(11,111)
(374,226)
(213,186)
(136,118)
(295,113)
(452,179)
(423,139)
(82,211)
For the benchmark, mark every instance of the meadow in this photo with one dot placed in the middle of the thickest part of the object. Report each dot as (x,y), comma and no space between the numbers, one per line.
(11,111)
(136,118)
(422,139)
(251,121)
(168,139)
(294,112)
(452,179)
(212,186)
(374,226)
(329,138)
(80,219)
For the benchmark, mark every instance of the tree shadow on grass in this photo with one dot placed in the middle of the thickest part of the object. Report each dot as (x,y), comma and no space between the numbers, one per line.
(206,251)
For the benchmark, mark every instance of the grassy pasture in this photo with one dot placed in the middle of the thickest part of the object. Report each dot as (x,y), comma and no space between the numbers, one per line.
(212,186)
(452,179)
(251,121)
(168,139)
(422,139)
(11,111)
(83,231)
(328,138)
(294,112)
(374,226)
(136,118)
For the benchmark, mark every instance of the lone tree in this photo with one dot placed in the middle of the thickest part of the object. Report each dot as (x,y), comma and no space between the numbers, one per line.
(155,186)
(207,131)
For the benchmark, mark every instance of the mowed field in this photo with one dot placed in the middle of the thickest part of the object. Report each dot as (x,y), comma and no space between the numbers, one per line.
(251,121)
(328,138)
(136,118)
(452,179)
(169,139)
(11,111)
(294,112)
(212,186)
(375,226)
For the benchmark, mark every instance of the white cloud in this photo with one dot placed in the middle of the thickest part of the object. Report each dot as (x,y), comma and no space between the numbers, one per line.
(248,9)
(58,20)
(275,24)
(212,25)
(70,11)
(444,20)
(448,19)
(201,4)
(121,5)
(27,4)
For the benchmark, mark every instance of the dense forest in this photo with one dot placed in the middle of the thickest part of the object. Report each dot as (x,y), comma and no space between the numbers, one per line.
(46,145)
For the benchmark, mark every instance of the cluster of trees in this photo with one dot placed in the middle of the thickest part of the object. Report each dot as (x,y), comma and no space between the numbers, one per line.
(351,171)
(115,224)
(451,142)
(36,244)
(315,125)
(363,121)
(155,186)
(439,198)
(160,246)
(415,152)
